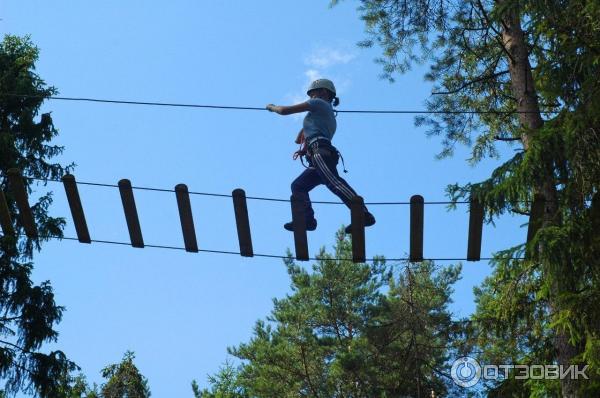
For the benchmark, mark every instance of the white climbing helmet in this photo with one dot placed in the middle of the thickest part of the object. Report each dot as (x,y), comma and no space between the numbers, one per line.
(322,83)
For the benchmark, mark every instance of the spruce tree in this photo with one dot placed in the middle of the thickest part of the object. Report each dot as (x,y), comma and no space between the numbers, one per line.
(28,311)
(531,68)
(124,380)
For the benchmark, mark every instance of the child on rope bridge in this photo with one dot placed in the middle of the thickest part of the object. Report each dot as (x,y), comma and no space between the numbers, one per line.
(318,129)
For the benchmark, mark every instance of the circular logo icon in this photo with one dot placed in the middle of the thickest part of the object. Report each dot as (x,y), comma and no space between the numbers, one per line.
(465,372)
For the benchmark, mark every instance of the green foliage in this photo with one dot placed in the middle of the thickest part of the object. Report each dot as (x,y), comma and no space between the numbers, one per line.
(29,312)
(225,384)
(124,380)
(349,329)
(76,386)
(526,309)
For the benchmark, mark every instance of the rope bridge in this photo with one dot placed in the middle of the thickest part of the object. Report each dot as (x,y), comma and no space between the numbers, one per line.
(182,194)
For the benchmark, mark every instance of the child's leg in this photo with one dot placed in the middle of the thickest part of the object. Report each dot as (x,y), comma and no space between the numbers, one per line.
(326,162)
(302,185)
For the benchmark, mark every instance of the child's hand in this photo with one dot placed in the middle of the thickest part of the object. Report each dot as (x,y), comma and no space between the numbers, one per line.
(273,108)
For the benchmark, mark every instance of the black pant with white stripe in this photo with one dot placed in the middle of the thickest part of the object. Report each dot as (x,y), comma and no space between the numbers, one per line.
(323,159)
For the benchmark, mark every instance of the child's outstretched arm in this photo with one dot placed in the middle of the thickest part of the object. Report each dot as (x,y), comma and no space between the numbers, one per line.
(288,110)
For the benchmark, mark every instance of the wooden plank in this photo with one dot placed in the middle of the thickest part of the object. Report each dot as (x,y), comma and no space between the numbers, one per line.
(417,210)
(242,222)
(299,221)
(131,215)
(357,217)
(5,219)
(20,193)
(83,234)
(186,218)
(475,230)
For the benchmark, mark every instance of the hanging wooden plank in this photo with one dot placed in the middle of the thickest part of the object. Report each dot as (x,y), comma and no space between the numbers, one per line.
(83,234)
(417,210)
(242,222)
(5,219)
(299,221)
(131,215)
(357,217)
(18,187)
(186,218)
(475,230)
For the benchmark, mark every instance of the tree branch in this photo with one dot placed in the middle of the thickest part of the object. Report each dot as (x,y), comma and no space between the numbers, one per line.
(498,34)
(10,319)
(523,213)
(15,346)
(477,80)
(498,138)
(314,391)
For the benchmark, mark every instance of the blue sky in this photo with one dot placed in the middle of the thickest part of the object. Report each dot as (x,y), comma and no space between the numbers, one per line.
(180,311)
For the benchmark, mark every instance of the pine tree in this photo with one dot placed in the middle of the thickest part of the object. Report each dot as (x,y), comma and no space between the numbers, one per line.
(29,312)
(535,65)
(225,384)
(350,330)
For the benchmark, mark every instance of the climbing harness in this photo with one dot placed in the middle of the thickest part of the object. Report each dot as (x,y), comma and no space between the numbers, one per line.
(313,146)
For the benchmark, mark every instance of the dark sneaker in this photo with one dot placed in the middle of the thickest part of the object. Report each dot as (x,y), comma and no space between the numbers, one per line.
(311,225)
(369,220)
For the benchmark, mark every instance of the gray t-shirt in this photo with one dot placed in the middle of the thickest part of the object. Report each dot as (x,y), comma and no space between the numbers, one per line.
(320,120)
